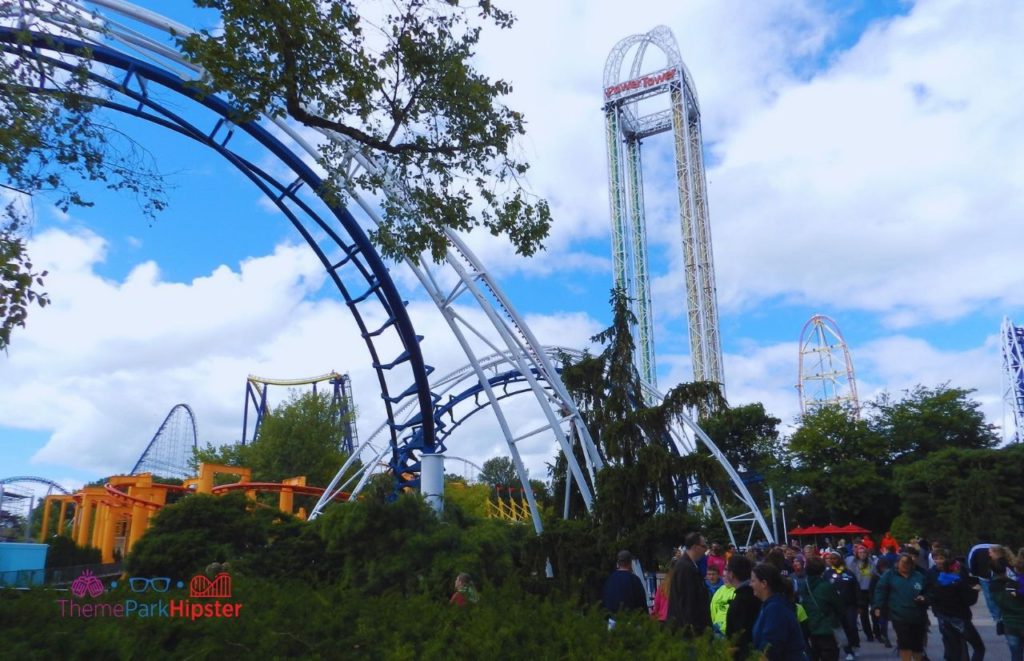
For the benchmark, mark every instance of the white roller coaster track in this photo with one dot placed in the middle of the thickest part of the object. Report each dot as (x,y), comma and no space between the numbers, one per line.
(505,331)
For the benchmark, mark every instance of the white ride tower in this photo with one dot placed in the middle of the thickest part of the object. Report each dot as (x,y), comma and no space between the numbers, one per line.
(628,96)
(825,368)
(1012,340)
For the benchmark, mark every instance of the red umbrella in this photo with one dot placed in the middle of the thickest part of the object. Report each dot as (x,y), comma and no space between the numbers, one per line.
(797,532)
(851,529)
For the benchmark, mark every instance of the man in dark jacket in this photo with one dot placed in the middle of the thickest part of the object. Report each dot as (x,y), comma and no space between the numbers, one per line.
(623,590)
(948,591)
(689,605)
(824,612)
(744,607)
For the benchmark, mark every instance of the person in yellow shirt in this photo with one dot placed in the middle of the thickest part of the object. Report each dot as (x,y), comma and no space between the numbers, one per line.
(720,602)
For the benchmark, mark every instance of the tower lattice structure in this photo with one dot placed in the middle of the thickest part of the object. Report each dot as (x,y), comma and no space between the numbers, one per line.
(1013,371)
(825,368)
(633,113)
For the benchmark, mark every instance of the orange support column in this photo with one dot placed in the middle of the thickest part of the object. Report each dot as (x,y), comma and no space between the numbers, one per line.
(99,520)
(139,524)
(46,519)
(286,501)
(107,536)
(84,521)
(63,515)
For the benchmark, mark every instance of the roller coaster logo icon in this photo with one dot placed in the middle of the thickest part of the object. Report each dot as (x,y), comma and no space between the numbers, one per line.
(201,587)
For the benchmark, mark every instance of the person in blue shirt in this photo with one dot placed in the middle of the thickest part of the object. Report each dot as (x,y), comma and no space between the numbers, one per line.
(777,632)
(623,590)
(713,580)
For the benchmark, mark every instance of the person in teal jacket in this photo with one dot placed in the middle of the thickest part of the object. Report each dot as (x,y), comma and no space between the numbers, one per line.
(898,593)
(824,610)
(1007,595)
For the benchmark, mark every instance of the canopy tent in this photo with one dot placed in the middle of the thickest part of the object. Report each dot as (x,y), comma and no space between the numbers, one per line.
(830,529)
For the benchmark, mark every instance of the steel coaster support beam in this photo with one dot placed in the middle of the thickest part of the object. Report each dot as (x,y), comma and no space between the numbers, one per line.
(684,182)
(705,259)
(642,286)
(370,266)
(1013,374)
(683,437)
(620,227)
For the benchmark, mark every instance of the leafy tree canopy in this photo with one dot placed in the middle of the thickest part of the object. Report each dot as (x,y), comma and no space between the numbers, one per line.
(963,496)
(642,473)
(926,420)
(499,471)
(301,436)
(747,435)
(396,80)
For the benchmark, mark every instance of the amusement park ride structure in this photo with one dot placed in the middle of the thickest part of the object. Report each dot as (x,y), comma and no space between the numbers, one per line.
(627,124)
(825,369)
(1013,374)
(341,402)
(143,75)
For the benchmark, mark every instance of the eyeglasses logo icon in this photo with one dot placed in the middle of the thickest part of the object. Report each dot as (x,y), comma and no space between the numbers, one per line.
(141,584)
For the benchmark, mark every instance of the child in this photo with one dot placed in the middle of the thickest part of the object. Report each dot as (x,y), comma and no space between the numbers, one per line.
(713,580)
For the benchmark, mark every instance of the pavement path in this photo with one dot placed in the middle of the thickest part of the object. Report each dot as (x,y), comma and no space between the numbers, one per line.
(995,646)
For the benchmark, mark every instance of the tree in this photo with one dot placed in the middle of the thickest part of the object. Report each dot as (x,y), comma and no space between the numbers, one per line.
(301,436)
(746,435)
(642,474)
(964,495)
(927,420)
(399,86)
(839,463)
(499,472)
(49,137)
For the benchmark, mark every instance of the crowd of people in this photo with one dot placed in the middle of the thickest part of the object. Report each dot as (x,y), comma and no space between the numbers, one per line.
(797,603)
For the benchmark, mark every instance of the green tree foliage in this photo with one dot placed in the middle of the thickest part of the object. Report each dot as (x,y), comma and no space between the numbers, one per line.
(499,472)
(301,436)
(48,141)
(841,468)
(843,465)
(641,474)
(288,619)
(19,282)
(747,435)
(965,496)
(63,552)
(186,537)
(926,420)
(397,80)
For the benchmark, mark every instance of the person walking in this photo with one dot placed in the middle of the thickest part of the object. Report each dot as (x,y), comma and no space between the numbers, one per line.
(950,595)
(689,605)
(777,633)
(744,606)
(846,587)
(623,590)
(880,622)
(898,593)
(862,565)
(722,598)
(824,611)
(1006,593)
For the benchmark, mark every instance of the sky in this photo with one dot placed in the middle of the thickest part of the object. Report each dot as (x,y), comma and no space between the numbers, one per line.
(864,161)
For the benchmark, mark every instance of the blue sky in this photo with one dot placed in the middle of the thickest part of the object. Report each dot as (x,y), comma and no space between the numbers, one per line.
(864,161)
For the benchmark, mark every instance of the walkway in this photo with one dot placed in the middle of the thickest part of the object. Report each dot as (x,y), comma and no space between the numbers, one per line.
(995,646)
